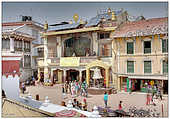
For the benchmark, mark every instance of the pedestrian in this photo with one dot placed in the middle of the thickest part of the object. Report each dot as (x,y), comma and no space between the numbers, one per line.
(63,91)
(66,87)
(84,105)
(105,98)
(159,93)
(147,99)
(120,105)
(72,89)
(76,88)
(23,87)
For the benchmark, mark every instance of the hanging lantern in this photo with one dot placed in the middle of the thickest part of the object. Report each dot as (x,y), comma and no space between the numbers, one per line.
(97,74)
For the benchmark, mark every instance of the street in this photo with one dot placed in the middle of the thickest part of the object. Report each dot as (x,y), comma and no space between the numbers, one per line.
(135,99)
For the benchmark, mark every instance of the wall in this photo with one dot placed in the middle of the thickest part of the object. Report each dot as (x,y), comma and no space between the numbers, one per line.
(139,57)
(10,85)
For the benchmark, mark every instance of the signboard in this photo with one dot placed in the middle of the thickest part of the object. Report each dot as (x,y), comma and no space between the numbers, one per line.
(41,63)
(70,61)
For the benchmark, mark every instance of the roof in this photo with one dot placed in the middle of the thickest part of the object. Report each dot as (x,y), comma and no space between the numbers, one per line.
(14,109)
(95,20)
(22,23)
(142,28)
(63,27)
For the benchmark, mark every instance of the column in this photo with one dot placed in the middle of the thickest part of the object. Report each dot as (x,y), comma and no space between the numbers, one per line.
(87,76)
(64,76)
(46,76)
(118,83)
(107,78)
(52,76)
(59,46)
(38,74)
(95,42)
(11,44)
(80,75)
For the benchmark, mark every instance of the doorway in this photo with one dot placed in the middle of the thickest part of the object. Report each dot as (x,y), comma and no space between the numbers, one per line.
(72,75)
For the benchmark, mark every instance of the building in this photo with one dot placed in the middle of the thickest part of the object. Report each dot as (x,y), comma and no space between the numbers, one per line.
(17,45)
(140,54)
(73,50)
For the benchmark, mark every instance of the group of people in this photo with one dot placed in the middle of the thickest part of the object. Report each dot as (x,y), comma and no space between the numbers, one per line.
(75,88)
(78,105)
(153,92)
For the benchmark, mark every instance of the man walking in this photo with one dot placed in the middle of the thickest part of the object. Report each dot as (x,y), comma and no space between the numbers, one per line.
(105,98)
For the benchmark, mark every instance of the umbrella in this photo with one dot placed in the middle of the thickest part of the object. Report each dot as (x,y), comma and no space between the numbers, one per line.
(69,113)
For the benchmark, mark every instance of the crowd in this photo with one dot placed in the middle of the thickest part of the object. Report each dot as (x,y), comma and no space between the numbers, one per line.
(75,88)
(153,92)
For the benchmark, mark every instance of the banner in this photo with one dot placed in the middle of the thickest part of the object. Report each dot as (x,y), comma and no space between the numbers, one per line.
(70,61)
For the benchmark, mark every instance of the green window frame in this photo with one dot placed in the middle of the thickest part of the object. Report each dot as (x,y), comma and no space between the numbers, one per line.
(130,66)
(165,67)
(164,45)
(147,47)
(147,67)
(130,48)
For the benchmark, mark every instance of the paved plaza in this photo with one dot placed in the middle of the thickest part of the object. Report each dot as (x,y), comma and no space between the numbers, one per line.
(135,99)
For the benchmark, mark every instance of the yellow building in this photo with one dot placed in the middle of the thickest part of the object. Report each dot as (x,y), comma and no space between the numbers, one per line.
(140,54)
(73,50)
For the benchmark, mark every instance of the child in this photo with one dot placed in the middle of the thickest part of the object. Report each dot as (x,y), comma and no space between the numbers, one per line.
(120,105)
(105,98)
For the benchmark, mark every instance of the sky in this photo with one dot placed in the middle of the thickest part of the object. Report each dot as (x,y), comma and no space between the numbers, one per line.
(56,12)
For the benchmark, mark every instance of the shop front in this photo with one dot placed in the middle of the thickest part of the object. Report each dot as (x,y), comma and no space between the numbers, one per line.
(129,84)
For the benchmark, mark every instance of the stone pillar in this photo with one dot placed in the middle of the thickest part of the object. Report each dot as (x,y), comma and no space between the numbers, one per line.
(80,75)
(38,74)
(64,76)
(46,75)
(11,44)
(59,46)
(52,76)
(95,42)
(118,83)
(107,78)
(87,76)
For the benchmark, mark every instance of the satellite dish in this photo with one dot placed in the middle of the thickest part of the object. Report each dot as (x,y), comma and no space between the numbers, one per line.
(76,17)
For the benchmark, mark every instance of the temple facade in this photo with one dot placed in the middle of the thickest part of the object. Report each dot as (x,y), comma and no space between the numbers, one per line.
(72,51)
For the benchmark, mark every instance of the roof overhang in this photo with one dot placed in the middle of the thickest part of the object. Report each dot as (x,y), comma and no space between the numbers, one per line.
(79,30)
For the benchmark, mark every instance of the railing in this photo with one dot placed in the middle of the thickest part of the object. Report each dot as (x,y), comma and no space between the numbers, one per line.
(147,50)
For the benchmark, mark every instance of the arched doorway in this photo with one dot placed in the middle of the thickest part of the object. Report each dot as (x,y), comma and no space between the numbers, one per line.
(98,63)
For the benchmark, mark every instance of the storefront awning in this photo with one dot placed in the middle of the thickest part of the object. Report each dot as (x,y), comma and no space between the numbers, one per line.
(149,77)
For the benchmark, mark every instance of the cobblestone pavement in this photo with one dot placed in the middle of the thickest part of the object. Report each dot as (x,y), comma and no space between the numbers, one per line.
(135,99)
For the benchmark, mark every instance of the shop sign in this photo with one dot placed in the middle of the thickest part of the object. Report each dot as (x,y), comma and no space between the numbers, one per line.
(41,63)
(69,61)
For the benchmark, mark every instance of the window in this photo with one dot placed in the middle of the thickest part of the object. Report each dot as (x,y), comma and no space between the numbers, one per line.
(165,67)
(129,47)
(130,66)
(5,43)
(104,35)
(105,50)
(147,67)
(147,47)
(27,61)
(164,45)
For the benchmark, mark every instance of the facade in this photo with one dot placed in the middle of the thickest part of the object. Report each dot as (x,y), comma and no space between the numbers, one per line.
(17,40)
(141,54)
(72,51)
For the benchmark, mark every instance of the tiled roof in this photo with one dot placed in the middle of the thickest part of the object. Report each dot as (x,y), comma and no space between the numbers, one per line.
(96,20)
(22,23)
(14,109)
(142,28)
(63,27)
